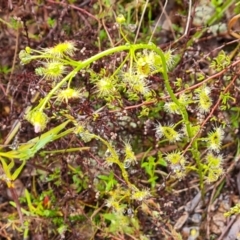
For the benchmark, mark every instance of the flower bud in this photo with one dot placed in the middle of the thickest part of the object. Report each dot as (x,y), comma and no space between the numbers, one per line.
(38,119)
(120,19)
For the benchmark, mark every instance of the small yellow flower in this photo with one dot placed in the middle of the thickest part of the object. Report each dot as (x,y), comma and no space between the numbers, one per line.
(177,164)
(179,173)
(168,132)
(141,195)
(130,158)
(185,99)
(215,169)
(79,129)
(106,86)
(215,139)
(155,61)
(86,136)
(120,19)
(143,66)
(171,107)
(40,71)
(204,99)
(66,94)
(214,174)
(169,58)
(28,50)
(214,161)
(111,156)
(141,87)
(135,82)
(176,158)
(115,205)
(60,49)
(232,211)
(52,70)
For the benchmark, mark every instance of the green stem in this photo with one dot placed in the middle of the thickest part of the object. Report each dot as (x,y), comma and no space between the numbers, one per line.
(121,65)
(173,97)
(44,102)
(116,159)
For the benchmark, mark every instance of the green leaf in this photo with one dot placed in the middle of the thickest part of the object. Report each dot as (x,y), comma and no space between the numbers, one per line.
(29,149)
(18,171)
(5,168)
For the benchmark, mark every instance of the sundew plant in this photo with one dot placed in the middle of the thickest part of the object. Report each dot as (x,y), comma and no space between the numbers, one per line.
(136,110)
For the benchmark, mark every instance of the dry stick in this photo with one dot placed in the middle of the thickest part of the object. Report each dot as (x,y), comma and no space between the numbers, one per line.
(109,37)
(3,231)
(14,58)
(158,21)
(105,28)
(168,19)
(228,226)
(211,113)
(16,126)
(188,18)
(140,22)
(188,22)
(3,89)
(18,206)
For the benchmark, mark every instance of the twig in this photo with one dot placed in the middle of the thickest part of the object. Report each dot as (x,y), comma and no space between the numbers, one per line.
(18,206)
(158,21)
(228,226)
(109,37)
(188,18)
(188,22)
(140,22)
(14,58)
